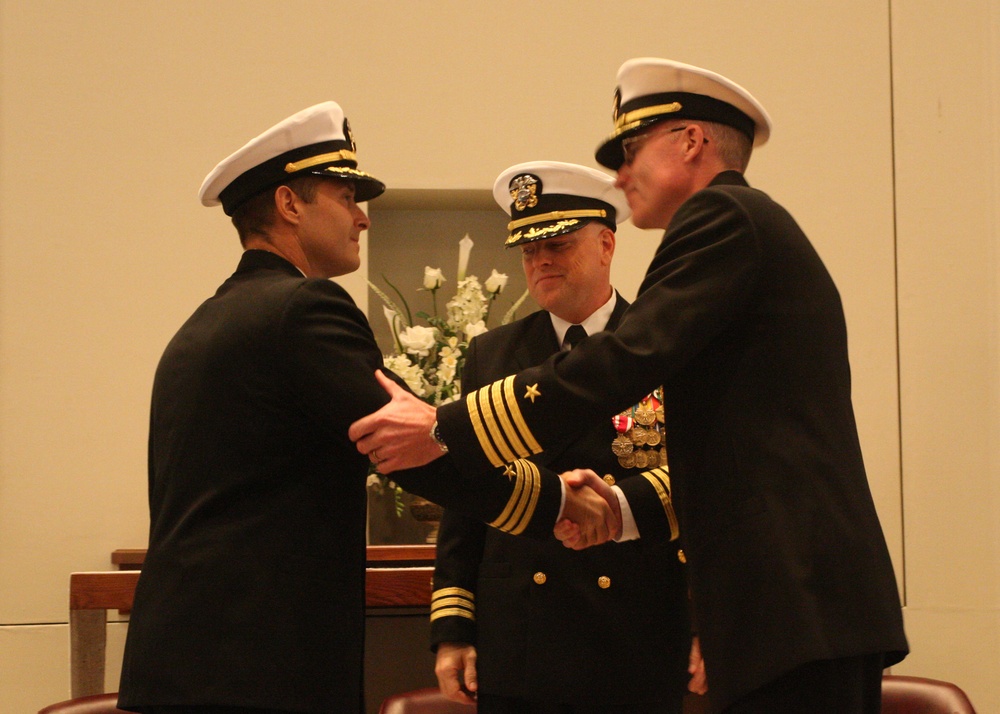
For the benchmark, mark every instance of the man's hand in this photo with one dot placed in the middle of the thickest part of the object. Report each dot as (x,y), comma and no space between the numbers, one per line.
(455,668)
(397,436)
(591,515)
(698,683)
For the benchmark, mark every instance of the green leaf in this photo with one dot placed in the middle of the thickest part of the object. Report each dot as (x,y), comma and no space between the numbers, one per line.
(508,316)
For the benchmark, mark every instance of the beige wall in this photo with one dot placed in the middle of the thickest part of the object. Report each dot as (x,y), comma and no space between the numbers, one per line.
(947,103)
(885,149)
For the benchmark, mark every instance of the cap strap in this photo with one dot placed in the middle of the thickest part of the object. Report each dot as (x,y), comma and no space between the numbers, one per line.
(342,155)
(646,112)
(558,215)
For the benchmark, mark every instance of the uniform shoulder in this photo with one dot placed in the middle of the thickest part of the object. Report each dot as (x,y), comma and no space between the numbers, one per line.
(730,187)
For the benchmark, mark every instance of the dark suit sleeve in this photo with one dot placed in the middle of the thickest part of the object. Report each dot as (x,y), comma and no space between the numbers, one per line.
(698,282)
(459,553)
(329,341)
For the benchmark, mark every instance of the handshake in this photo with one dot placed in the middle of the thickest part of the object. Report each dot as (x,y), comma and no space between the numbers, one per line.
(591,513)
(397,437)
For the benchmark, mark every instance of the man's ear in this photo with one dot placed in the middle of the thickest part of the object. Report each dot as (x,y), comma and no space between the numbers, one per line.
(694,141)
(608,241)
(286,204)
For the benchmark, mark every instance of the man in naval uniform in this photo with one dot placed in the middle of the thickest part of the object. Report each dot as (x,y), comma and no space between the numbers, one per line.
(252,594)
(528,626)
(794,598)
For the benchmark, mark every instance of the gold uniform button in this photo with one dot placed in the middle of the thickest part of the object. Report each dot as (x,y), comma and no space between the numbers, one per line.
(604,582)
(540,578)
(680,556)
(609,479)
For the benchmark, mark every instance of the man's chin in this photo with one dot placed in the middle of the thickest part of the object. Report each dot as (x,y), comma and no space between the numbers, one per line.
(640,219)
(651,223)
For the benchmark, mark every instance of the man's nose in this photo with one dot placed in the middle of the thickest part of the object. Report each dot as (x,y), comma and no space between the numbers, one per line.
(624,171)
(542,257)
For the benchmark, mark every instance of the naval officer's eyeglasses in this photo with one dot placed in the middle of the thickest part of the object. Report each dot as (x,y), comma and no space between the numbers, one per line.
(633,144)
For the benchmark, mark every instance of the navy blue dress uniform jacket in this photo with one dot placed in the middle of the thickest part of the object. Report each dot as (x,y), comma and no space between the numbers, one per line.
(253,589)
(605,625)
(740,322)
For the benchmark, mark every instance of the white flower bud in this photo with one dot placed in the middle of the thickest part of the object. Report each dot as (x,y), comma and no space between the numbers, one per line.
(392,318)
(496,282)
(475,328)
(464,249)
(433,277)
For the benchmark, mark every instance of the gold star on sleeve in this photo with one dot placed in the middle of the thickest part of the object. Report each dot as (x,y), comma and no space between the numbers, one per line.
(532,392)
(495,414)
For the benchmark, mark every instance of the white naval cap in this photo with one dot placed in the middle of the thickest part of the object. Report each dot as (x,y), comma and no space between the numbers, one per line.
(549,198)
(315,141)
(652,89)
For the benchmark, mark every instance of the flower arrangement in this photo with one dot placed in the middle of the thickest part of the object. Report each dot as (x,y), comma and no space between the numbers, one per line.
(429,357)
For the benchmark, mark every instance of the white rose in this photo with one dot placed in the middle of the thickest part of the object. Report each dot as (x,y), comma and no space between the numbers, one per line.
(418,340)
(433,277)
(475,328)
(496,282)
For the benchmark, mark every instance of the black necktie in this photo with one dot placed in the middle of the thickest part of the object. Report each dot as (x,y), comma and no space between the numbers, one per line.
(574,334)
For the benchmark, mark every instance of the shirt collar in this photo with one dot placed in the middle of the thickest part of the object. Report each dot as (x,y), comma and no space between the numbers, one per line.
(597,321)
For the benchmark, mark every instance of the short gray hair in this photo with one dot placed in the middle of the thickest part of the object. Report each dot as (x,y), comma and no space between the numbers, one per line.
(732,145)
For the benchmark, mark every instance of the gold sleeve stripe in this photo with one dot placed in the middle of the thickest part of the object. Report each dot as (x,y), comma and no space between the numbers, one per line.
(661,482)
(456,602)
(527,470)
(520,509)
(489,411)
(497,392)
(504,516)
(515,412)
(453,612)
(452,602)
(449,592)
(503,434)
(534,489)
(477,424)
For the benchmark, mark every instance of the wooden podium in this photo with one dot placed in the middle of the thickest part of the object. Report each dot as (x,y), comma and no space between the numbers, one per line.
(397,593)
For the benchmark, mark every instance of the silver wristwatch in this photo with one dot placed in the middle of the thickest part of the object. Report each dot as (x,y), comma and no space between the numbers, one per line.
(436,435)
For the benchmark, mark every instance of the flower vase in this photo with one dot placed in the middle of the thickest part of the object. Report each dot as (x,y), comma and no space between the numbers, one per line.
(425,511)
